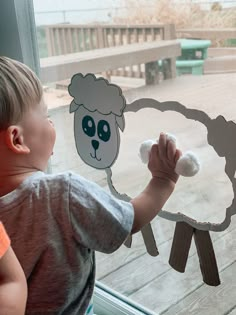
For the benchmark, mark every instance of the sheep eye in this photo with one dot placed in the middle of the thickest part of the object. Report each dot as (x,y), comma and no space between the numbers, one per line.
(104,131)
(88,126)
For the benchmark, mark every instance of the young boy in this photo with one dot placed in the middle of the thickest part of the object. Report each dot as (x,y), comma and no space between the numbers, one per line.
(56,222)
(13,287)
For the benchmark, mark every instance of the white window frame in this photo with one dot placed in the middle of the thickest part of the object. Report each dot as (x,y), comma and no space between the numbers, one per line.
(18,32)
(110,302)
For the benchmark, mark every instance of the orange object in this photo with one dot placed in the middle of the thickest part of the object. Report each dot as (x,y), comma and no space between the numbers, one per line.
(4,240)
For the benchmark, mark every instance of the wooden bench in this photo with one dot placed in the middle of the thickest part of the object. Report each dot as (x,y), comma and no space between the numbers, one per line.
(62,67)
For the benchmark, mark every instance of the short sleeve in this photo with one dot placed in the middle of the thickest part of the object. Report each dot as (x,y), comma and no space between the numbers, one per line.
(4,241)
(99,220)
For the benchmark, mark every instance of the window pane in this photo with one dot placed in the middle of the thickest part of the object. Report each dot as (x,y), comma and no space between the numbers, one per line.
(205,81)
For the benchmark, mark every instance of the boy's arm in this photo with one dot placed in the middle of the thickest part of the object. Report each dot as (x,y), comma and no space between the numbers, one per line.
(162,161)
(13,287)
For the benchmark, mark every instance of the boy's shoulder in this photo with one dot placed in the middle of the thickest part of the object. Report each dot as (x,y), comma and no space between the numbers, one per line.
(38,184)
(52,177)
(39,187)
(57,182)
(41,179)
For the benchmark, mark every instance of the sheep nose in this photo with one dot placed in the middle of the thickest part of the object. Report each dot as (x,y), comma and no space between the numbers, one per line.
(95,144)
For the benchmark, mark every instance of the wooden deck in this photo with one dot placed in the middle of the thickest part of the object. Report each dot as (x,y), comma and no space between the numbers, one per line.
(151,281)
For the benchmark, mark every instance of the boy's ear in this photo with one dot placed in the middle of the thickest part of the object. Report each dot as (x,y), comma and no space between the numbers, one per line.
(15,140)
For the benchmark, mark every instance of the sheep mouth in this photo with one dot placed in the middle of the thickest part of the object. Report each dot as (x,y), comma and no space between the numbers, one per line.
(95,156)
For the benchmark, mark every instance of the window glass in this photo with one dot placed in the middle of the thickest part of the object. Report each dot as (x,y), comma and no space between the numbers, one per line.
(205,81)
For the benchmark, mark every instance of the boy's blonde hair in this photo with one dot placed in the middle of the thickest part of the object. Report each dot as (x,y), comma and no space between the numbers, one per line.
(20,89)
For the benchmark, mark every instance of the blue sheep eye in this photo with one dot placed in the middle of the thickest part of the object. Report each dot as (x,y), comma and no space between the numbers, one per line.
(104,131)
(88,126)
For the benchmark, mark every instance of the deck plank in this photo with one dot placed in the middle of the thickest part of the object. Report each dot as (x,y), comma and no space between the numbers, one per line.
(146,268)
(171,287)
(210,301)
(163,232)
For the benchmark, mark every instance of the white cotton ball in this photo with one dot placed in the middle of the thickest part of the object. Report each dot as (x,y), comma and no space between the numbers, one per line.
(171,137)
(144,150)
(188,164)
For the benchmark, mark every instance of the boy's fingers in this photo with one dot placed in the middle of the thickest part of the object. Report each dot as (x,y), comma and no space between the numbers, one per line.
(177,155)
(171,150)
(154,151)
(162,146)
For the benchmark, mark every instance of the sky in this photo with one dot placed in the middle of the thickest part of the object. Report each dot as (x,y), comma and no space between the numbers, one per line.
(92,10)
(88,13)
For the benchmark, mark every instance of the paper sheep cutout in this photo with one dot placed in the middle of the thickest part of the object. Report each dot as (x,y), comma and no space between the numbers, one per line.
(99,105)
(99,108)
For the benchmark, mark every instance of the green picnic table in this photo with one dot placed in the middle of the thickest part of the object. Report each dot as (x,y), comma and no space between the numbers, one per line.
(193,54)
(194,49)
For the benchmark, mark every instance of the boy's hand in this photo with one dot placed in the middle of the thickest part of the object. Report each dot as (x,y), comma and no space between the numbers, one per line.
(163,158)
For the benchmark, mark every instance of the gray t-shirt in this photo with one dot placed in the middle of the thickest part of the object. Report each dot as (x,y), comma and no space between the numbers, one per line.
(55,223)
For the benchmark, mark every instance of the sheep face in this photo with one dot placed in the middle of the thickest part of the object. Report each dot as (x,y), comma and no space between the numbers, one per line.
(97,137)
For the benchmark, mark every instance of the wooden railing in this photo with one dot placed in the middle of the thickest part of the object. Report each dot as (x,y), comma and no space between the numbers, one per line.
(218,37)
(63,67)
(70,38)
(63,39)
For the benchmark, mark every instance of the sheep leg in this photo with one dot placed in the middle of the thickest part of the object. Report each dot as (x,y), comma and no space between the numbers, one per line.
(181,246)
(149,240)
(207,257)
(128,241)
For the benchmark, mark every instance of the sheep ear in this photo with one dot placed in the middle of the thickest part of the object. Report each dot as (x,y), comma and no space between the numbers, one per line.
(120,120)
(73,107)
